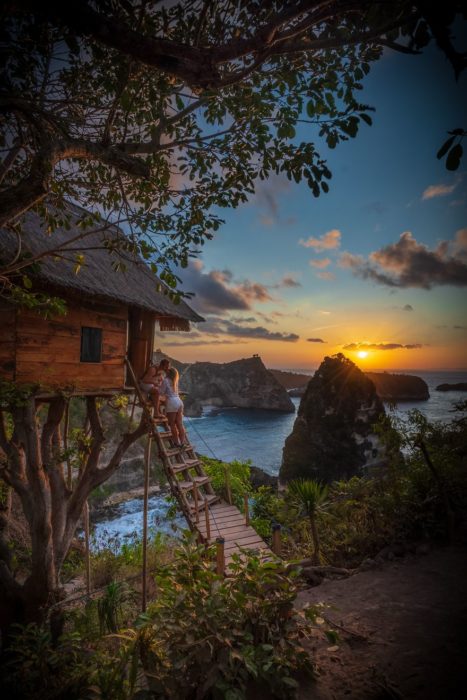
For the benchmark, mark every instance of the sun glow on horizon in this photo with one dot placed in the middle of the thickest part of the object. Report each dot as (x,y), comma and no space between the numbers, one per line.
(362,354)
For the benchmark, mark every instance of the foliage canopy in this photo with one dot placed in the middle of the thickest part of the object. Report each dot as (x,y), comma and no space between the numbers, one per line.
(157,115)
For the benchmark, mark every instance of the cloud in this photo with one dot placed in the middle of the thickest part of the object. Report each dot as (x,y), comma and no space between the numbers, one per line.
(326,276)
(408,263)
(438,191)
(215,326)
(215,291)
(407,307)
(207,341)
(267,196)
(382,346)
(460,328)
(243,319)
(289,282)
(323,312)
(328,241)
(320,264)
(315,340)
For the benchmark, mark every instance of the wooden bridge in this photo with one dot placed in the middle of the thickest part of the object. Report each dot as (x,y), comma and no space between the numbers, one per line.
(206,513)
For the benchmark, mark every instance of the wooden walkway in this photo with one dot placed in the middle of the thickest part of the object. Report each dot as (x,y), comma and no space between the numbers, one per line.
(206,513)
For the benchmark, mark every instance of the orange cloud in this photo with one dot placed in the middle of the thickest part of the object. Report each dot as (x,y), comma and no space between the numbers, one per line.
(328,241)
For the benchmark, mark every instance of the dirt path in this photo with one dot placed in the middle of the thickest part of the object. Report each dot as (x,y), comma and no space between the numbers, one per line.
(412,615)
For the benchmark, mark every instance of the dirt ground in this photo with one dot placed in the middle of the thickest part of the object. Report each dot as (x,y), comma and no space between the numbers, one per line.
(405,631)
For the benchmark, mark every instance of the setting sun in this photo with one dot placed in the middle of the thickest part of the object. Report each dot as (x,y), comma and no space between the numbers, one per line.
(362,354)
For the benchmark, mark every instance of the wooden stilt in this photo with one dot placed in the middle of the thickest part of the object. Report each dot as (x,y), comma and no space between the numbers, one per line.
(195,497)
(220,556)
(247,509)
(276,539)
(147,462)
(208,524)
(227,485)
(87,552)
(66,424)
(133,408)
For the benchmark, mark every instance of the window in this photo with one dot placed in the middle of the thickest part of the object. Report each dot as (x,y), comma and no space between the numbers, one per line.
(91,344)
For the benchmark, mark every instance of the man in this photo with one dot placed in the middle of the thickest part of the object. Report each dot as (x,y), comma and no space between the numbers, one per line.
(151,381)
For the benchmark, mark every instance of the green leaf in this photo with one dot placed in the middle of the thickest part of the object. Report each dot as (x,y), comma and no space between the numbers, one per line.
(445,147)
(454,157)
(27,282)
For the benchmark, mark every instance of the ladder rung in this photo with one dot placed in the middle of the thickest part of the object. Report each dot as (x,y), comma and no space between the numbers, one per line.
(165,433)
(173,451)
(192,462)
(209,498)
(197,480)
(179,468)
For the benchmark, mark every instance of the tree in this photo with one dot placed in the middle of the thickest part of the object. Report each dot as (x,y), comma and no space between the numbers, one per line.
(33,466)
(310,496)
(155,113)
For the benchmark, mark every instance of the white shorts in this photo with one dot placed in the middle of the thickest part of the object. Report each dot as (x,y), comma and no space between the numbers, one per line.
(173,404)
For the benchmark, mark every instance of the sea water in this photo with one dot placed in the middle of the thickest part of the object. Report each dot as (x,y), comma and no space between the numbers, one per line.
(258,436)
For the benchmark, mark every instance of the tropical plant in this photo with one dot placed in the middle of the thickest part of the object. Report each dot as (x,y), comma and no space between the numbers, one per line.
(311,496)
(110,606)
(212,637)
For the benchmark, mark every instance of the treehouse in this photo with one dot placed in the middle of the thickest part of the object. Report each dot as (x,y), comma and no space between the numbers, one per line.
(110,314)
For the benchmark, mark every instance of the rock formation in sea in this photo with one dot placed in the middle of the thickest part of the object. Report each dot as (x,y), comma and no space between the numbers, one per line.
(332,437)
(460,386)
(242,384)
(399,387)
(389,387)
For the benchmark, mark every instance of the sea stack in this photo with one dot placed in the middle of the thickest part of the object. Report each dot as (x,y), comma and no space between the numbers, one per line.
(332,437)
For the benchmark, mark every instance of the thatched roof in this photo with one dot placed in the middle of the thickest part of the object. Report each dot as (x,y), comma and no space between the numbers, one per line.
(135,286)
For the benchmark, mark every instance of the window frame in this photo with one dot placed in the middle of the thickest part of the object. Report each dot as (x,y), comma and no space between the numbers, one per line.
(100,335)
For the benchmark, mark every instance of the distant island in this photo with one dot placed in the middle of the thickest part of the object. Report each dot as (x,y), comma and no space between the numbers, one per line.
(461,386)
(389,387)
(399,387)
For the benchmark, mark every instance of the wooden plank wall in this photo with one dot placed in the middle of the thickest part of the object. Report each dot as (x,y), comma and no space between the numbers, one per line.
(7,342)
(48,351)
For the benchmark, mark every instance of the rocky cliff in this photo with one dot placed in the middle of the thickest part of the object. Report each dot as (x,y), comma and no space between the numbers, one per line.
(399,387)
(332,437)
(243,384)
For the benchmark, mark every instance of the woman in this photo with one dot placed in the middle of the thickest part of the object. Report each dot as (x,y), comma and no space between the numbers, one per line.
(151,381)
(173,407)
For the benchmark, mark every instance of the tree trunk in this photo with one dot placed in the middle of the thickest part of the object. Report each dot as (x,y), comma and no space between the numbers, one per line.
(34,469)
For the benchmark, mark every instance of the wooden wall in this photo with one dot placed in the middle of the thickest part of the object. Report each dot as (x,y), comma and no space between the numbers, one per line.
(48,351)
(7,342)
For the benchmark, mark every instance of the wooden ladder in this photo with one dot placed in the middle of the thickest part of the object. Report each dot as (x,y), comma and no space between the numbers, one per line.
(188,481)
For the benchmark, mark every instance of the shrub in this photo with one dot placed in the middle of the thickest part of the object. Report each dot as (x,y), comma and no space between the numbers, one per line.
(236,473)
(218,635)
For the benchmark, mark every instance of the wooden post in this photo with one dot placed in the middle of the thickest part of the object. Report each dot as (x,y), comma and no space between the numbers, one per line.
(195,496)
(276,539)
(227,485)
(87,553)
(133,408)
(220,558)
(247,509)
(147,461)
(66,425)
(206,515)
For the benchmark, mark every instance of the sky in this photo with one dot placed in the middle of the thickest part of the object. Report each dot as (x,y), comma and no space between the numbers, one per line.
(376,268)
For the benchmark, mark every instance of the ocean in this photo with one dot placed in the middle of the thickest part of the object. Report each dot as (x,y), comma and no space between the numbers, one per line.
(258,436)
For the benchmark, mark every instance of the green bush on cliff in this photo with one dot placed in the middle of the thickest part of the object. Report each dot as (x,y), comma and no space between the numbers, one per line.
(234,474)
